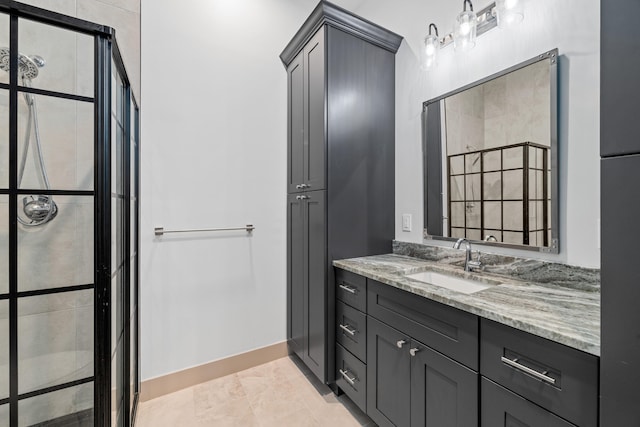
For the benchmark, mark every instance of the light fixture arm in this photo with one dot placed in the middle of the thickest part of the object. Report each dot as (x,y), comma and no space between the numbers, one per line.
(434,29)
(464,5)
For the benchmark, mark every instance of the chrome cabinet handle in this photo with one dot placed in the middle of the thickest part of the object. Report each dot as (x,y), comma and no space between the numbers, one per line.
(302,197)
(302,186)
(540,375)
(400,343)
(348,330)
(348,288)
(299,186)
(345,375)
(413,351)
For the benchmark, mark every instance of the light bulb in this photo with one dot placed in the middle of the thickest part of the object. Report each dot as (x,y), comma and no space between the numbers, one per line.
(510,4)
(430,51)
(509,13)
(464,28)
(464,33)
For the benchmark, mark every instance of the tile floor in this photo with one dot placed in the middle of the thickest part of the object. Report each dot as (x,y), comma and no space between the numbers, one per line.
(279,393)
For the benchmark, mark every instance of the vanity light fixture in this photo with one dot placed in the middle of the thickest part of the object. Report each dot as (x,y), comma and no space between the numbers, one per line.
(464,32)
(469,25)
(431,48)
(508,12)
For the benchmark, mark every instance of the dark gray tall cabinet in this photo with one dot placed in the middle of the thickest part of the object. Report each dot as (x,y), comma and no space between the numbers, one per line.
(341,166)
(620,210)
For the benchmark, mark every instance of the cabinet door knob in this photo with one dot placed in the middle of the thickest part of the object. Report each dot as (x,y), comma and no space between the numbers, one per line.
(413,351)
(299,186)
(401,343)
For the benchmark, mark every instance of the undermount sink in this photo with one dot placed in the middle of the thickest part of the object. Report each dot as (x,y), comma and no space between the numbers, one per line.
(458,284)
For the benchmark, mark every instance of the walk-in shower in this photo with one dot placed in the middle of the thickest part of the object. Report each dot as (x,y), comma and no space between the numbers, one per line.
(39,209)
(68,223)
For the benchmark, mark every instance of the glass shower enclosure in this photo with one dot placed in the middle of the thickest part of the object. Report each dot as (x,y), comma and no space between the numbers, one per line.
(69,185)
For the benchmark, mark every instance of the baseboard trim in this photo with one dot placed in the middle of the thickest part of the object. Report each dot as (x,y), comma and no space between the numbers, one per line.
(159,386)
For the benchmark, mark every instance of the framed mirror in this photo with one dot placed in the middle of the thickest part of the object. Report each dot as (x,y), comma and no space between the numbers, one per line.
(491,159)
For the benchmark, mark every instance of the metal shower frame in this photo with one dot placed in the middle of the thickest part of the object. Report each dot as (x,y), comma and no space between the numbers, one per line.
(106,54)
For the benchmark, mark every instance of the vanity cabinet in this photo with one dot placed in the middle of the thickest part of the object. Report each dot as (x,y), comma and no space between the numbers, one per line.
(411,384)
(558,378)
(341,166)
(502,408)
(429,364)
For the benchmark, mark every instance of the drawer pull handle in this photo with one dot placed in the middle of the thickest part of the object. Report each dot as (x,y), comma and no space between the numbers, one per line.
(401,343)
(348,330)
(347,378)
(541,376)
(413,351)
(348,288)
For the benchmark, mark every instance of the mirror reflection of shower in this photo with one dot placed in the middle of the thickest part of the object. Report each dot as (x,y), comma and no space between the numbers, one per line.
(37,209)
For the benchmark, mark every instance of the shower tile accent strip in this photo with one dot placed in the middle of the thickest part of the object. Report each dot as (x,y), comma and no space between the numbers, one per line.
(553,301)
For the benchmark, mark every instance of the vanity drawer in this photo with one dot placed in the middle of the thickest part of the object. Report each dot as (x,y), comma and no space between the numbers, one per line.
(351,289)
(558,378)
(450,331)
(502,408)
(351,376)
(351,330)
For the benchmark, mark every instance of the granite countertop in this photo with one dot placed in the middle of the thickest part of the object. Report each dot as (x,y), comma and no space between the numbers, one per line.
(566,310)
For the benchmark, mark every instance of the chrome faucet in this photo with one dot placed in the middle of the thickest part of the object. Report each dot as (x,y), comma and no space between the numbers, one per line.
(469,264)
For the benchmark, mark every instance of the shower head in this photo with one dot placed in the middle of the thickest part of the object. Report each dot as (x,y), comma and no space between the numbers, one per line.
(27,66)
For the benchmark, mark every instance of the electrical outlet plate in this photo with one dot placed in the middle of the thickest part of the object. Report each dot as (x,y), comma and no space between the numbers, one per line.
(406,222)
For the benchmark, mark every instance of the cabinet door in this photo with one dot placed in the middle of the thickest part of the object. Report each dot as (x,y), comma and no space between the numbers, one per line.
(295,137)
(388,375)
(444,393)
(296,294)
(620,276)
(316,279)
(314,112)
(502,408)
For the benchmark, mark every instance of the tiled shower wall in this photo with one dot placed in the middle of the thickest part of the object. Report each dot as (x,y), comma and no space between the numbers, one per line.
(56,331)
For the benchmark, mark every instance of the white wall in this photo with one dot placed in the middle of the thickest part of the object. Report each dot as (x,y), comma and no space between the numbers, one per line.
(214,153)
(573,27)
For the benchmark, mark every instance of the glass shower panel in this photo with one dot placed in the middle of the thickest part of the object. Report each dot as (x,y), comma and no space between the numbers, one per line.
(56,339)
(57,59)
(59,253)
(4,137)
(58,136)
(4,349)
(75,404)
(4,44)
(4,244)
(117,386)
(4,415)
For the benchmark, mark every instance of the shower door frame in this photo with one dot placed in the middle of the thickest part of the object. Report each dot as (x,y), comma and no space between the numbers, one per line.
(106,54)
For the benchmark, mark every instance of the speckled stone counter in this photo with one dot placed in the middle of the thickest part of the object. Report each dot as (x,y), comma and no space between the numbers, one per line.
(554,301)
